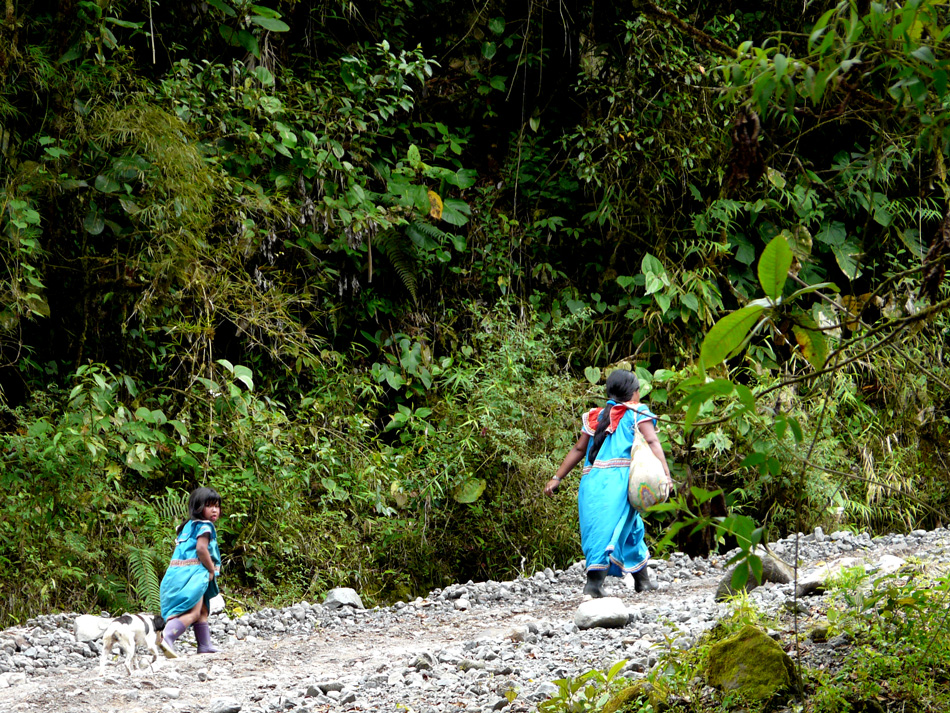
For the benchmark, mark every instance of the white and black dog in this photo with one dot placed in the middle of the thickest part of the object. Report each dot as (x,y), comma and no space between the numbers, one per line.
(129,631)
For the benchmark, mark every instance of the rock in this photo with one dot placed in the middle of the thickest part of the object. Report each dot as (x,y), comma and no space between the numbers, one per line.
(519,633)
(423,662)
(216,605)
(224,705)
(544,691)
(172,693)
(343,596)
(12,679)
(619,701)
(773,570)
(87,627)
(607,613)
(888,564)
(750,663)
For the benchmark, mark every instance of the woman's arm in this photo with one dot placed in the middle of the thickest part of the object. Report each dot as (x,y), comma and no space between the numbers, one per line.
(201,548)
(573,457)
(649,435)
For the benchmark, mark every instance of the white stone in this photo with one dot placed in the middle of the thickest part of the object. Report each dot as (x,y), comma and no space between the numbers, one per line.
(224,705)
(216,604)
(608,612)
(341,596)
(87,627)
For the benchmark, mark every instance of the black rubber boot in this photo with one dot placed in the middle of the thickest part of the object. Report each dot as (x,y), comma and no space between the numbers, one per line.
(595,583)
(641,581)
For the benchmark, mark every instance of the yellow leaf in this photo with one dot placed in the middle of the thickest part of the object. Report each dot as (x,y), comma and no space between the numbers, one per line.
(435,205)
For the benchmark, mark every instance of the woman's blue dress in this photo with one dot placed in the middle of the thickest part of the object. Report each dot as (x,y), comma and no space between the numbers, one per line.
(611,531)
(186,581)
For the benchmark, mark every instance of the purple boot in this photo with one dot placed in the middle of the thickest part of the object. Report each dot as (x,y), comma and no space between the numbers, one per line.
(173,629)
(203,637)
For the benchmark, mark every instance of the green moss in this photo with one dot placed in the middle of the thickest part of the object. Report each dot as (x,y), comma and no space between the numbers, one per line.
(751,664)
(628,699)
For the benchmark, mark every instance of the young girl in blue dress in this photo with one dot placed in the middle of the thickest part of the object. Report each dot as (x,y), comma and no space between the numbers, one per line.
(611,531)
(190,581)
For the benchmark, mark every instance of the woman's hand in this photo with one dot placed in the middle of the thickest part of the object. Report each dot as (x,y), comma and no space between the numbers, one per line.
(551,486)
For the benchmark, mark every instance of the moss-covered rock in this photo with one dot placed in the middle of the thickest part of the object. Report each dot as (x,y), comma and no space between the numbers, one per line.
(627,700)
(751,664)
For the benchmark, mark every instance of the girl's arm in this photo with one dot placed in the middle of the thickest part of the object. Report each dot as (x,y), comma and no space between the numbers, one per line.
(201,547)
(649,435)
(573,457)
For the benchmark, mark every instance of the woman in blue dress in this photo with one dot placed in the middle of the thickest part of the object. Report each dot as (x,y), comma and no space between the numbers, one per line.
(611,531)
(190,581)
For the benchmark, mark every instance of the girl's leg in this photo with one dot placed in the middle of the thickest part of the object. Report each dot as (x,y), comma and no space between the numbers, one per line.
(176,626)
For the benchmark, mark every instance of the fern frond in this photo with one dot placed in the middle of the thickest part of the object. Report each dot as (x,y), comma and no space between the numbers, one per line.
(402,260)
(143,575)
(429,230)
(172,507)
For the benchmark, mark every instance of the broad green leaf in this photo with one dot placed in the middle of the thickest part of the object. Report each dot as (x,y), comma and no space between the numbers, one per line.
(94,222)
(848,258)
(752,459)
(702,495)
(728,334)
(832,234)
(265,11)
(465,178)
(496,25)
(270,24)
(755,564)
(455,212)
(470,490)
(264,76)
(773,266)
(740,576)
(593,374)
(489,50)
(249,42)
(811,341)
(222,6)
(245,376)
(106,184)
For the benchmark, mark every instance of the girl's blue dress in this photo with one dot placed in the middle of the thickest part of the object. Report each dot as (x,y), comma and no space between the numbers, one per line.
(611,531)
(186,581)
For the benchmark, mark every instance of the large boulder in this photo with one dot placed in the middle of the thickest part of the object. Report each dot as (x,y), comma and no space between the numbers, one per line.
(605,613)
(87,627)
(343,596)
(773,570)
(750,663)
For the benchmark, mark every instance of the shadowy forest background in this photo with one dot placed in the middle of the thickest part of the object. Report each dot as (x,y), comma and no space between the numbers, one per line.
(360,266)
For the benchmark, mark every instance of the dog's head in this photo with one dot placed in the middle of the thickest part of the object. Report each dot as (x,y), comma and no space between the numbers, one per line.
(158,622)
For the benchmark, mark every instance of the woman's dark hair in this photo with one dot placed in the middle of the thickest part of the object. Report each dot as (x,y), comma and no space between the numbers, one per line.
(621,386)
(199,499)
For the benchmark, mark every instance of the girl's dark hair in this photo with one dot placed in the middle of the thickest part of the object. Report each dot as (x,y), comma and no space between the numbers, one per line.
(197,501)
(621,386)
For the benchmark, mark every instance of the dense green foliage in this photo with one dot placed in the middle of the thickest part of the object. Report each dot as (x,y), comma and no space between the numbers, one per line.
(361,266)
(895,658)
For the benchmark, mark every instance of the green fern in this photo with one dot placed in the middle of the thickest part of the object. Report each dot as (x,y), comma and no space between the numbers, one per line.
(143,575)
(426,235)
(171,507)
(402,260)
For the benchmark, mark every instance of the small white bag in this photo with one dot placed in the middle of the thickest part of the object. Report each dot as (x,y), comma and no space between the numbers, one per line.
(647,484)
